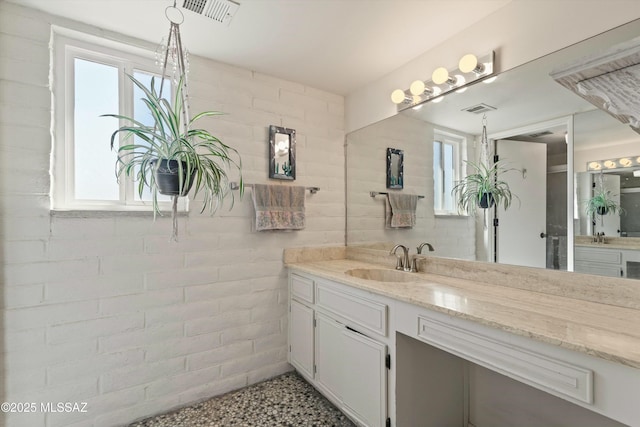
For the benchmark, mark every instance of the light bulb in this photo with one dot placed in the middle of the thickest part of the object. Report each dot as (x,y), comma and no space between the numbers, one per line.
(468,63)
(397,96)
(417,87)
(440,75)
(594,165)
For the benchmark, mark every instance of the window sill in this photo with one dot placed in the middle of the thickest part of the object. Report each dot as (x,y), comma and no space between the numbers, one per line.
(452,216)
(88,213)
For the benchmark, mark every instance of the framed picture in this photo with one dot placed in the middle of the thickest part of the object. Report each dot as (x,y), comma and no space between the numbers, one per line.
(395,172)
(282,153)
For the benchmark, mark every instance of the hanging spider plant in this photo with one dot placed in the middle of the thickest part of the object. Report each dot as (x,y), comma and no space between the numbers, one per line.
(602,203)
(483,188)
(173,148)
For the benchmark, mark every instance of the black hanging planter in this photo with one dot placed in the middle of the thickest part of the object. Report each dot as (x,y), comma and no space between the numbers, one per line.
(602,210)
(167,179)
(487,200)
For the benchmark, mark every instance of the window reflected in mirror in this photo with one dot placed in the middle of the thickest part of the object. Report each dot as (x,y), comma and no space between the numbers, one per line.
(448,156)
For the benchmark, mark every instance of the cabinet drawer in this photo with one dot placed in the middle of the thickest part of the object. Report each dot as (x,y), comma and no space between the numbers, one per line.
(540,371)
(302,288)
(366,313)
(600,269)
(608,256)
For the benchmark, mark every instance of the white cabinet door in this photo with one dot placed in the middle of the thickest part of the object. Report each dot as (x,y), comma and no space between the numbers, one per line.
(301,338)
(329,357)
(364,388)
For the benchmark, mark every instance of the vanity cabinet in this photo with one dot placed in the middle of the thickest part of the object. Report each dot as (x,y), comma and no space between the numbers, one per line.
(449,367)
(607,261)
(364,387)
(591,391)
(599,261)
(329,357)
(337,341)
(301,321)
(301,347)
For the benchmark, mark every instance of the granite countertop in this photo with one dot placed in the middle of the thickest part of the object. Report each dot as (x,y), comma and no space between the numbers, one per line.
(600,329)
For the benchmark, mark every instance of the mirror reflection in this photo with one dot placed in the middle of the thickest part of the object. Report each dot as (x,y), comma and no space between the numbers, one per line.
(395,159)
(282,153)
(539,127)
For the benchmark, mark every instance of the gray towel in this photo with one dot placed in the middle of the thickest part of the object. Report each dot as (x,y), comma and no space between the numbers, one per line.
(278,207)
(401,210)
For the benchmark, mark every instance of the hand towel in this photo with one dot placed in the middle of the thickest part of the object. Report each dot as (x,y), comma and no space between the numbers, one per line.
(278,207)
(401,210)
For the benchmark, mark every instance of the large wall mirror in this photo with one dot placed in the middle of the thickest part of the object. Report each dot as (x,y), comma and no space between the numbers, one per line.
(547,133)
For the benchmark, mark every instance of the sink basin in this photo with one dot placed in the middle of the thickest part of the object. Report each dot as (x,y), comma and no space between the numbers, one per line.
(381,275)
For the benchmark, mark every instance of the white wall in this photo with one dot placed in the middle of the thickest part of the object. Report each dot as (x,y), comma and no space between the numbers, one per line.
(102,308)
(366,155)
(519,32)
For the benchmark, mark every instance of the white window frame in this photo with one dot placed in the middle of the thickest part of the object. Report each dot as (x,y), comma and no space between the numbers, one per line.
(459,144)
(67,45)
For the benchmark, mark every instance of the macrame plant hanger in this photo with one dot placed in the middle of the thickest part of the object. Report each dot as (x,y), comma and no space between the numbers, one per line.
(485,157)
(484,143)
(173,52)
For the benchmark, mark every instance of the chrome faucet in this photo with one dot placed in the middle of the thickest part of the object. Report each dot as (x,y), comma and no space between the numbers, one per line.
(402,263)
(599,238)
(422,245)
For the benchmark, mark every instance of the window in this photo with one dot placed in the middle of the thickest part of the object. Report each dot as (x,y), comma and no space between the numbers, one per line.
(90,79)
(448,152)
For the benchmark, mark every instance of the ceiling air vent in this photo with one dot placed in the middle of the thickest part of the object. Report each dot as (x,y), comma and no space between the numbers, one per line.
(479,108)
(539,134)
(219,10)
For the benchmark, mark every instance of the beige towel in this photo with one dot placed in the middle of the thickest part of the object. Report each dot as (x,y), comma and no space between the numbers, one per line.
(278,207)
(401,210)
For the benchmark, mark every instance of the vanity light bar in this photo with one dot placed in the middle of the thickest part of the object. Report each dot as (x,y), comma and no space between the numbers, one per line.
(471,69)
(608,164)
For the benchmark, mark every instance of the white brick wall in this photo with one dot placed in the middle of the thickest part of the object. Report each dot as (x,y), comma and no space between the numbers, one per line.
(104,309)
(366,154)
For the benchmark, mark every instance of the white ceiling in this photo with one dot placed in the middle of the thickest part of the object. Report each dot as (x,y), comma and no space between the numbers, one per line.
(334,45)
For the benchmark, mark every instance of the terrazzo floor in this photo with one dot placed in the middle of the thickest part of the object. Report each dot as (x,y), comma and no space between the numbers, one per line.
(287,400)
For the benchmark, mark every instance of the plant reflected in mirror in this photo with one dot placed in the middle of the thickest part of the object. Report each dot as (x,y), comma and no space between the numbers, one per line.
(603,202)
(482,188)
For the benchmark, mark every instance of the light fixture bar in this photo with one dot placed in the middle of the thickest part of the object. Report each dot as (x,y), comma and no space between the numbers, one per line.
(471,69)
(613,164)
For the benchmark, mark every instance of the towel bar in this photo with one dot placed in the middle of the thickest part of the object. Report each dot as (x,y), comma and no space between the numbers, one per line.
(234,186)
(378,193)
